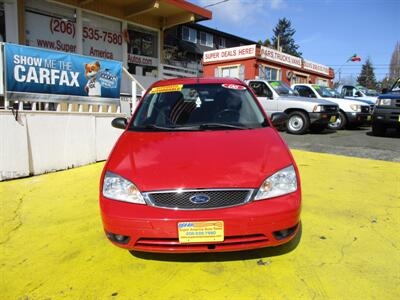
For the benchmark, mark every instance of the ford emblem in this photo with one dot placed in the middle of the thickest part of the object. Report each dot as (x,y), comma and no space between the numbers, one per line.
(199,199)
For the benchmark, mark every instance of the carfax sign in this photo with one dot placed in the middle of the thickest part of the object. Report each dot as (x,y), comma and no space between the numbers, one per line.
(37,71)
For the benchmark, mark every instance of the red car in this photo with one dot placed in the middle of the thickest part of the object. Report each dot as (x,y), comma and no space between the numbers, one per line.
(200,168)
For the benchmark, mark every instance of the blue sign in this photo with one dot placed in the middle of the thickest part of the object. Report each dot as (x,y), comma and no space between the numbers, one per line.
(35,70)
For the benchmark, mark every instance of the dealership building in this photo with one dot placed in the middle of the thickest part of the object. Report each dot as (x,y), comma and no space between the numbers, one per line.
(131,31)
(255,61)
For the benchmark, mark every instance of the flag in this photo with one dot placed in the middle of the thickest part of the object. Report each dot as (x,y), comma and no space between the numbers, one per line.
(355,57)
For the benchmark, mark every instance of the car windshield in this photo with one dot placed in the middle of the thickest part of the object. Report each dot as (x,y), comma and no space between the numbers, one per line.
(396,86)
(371,93)
(282,88)
(198,107)
(323,91)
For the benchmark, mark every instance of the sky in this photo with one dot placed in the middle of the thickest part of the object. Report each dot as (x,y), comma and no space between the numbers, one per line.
(327,31)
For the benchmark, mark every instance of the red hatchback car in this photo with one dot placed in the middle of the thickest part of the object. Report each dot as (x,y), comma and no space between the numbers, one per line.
(200,168)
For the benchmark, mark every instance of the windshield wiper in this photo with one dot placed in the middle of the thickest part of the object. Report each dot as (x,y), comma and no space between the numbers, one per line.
(221,125)
(162,128)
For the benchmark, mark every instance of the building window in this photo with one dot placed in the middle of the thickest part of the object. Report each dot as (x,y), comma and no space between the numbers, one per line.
(189,34)
(206,39)
(222,43)
(230,72)
(142,42)
(270,73)
(322,82)
(297,78)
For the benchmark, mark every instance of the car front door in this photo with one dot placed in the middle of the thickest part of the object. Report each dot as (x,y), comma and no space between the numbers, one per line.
(265,96)
(305,91)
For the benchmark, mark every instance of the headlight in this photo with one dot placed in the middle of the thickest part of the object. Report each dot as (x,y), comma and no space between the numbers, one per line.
(384,101)
(118,188)
(355,107)
(318,108)
(281,183)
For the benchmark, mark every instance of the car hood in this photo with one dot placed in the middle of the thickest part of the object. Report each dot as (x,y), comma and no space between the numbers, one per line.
(199,159)
(389,96)
(343,101)
(306,99)
(361,99)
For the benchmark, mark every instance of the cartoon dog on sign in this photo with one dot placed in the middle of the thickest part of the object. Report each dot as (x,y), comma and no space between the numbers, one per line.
(93,87)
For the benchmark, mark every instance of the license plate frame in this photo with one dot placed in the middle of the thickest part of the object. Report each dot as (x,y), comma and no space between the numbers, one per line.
(200,232)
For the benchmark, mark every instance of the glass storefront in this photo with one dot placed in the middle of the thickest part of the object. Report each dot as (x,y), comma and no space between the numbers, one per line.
(2,24)
(142,51)
(50,26)
(102,37)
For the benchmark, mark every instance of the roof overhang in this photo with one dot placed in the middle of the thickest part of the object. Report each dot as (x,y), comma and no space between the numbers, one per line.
(160,14)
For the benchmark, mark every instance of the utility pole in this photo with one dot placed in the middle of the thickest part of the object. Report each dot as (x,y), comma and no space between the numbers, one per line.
(279,43)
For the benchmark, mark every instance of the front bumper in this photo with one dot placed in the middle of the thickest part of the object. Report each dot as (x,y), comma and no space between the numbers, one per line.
(247,226)
(322,118)
(388,116)
(359,118)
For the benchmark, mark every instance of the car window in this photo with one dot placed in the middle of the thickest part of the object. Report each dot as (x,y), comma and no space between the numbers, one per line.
(261,89)
(304,91)
(322,91)
(191,107)
(348,91)
(396,86)
(282,88)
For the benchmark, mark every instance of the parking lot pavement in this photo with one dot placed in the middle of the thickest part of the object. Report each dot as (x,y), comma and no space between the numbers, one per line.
(53,247)
(357,142)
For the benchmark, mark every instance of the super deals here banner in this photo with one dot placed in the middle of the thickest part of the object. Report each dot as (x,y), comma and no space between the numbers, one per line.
(33,70)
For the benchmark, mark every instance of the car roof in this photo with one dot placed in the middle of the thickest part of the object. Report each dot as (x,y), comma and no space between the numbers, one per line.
(198,80)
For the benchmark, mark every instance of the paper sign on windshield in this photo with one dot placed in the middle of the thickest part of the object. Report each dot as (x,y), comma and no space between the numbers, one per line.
(167,89)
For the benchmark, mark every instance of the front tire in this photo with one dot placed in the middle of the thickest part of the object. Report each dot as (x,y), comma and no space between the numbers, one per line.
(340,123)
(378,129)
(298,122)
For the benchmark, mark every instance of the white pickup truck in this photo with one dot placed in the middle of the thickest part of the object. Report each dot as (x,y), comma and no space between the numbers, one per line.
(352,92)
(352,113)
(304,113)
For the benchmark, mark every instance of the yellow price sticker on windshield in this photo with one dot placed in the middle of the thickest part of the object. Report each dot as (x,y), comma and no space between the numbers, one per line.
(166,89)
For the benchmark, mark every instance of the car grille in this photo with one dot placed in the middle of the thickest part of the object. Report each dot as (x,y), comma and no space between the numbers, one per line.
(365,109)
(397,103)
(171,244)
(330,108)
(182,199)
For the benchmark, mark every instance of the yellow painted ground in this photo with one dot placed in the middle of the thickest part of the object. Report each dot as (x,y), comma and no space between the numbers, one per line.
(53,247)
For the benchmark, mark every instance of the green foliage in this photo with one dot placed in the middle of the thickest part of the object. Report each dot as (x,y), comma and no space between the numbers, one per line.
(394,68)
(367,75)
(285,32)
(266,43)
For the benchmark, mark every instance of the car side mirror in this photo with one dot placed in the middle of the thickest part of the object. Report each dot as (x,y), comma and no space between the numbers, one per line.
(384,91)
(279,119)
(119,123)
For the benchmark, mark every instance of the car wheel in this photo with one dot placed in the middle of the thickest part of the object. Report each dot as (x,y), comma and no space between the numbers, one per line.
(298,122)
(340,123)
(378,129)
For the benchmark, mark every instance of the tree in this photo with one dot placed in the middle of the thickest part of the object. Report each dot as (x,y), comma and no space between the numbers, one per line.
(266,43)
(394,68)
(284,32)
(367,75)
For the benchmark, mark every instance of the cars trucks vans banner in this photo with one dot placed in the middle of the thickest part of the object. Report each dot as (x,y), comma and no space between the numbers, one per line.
(37,73)
(312,66)
(279,57)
